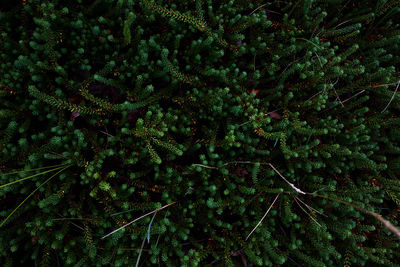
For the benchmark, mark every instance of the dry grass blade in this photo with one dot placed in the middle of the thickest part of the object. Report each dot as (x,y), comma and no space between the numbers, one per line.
(140,252)
(310,208)
(263,216)
(394,93)
(29,177)
(307,212)
(33,192)
(344,101)
(205,166)
(41,168)
(137,219)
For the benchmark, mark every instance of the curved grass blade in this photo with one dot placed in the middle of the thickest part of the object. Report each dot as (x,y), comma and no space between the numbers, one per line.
(140,252)
(151,212)
(148,230)
(33,192)
(41,168)
(29,177)
(122,212)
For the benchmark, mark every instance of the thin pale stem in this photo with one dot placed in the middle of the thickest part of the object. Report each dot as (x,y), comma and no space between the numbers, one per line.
(141,217)
(391,99)
(309,207)
(307,212)
(263,216)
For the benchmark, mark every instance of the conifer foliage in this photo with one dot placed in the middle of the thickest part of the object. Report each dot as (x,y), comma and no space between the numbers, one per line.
(188,133)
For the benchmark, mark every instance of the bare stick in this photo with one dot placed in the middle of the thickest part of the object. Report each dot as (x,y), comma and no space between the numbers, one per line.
(138,219)
(292,185)
(386,223)
(394,93)
(263,216)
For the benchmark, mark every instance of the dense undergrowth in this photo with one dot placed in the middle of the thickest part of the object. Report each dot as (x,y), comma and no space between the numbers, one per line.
(208,113)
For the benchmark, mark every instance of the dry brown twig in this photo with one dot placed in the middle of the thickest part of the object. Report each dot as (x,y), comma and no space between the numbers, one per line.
(388,225)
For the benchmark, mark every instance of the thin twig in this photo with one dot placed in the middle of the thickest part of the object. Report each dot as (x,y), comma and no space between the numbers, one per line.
(205,166)
(263,216)
(106,134)
(386,223)
(307,213)
(344,101)
(138,219)
(74,224)
(309,207)
(362,91)
(257,9)
(236,162)
(394,93)
(380,85)
(128,249)
(342,23)
(320,62)
(57,154)
(311,97)
(337,97)
(262,163)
